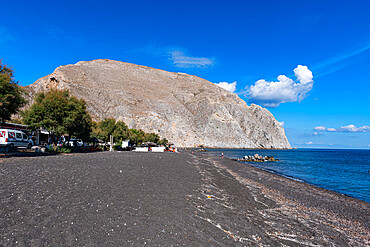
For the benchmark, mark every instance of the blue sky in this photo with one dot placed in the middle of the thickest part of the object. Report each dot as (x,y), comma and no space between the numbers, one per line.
(322,49)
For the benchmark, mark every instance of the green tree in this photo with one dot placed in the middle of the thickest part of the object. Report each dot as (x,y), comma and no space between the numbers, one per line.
(96,131)
(136,136)
(151,137)
(120,131)
(78,122)
(104,129)
(11,95)
(163,142)
(59,113)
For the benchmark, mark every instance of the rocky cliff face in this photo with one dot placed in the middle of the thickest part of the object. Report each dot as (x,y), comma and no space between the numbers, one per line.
(185,109)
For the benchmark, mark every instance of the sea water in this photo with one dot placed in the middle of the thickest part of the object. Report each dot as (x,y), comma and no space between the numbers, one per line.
(343,171)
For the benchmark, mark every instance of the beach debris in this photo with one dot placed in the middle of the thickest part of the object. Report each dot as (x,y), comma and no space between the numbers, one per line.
(257,158)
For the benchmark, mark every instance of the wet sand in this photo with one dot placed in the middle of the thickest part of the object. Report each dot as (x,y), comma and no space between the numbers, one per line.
(165,199)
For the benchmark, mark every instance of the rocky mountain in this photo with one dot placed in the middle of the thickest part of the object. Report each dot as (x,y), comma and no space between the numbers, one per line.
(187,110)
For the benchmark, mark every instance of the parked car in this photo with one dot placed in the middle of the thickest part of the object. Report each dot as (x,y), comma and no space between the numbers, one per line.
(14,138)
(74,143)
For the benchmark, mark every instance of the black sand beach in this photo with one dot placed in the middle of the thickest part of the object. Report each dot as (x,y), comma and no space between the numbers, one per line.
(165,199)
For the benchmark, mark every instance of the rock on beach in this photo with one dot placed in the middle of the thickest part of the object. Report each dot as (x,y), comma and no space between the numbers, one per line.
(257,158)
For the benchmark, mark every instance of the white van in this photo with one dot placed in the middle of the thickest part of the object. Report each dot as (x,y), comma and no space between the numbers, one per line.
(14,138)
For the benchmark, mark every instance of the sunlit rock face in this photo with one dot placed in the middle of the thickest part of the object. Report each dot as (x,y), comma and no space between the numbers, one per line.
(187,110)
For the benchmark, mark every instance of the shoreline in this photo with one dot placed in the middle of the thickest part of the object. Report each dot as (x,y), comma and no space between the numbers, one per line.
(296,200)
(293,148)
(317,183)
(290,178)
(296,179)
(282,175)
(305,182)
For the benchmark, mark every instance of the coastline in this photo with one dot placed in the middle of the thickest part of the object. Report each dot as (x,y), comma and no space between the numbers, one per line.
(187,198)
(300,197)
(295,179)
(290,178)
(331,169)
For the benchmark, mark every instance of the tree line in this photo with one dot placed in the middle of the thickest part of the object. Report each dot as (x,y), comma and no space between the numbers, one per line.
(61,113)
(119,130)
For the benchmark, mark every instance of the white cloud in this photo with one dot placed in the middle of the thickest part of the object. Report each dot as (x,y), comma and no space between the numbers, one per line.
(320,128)
(348,128)
(181,60)
(273,93)
(308,143)
(282,123)
(177,55)
(317,133)
(231,87)
(303,74)
(352,128)
(338,62)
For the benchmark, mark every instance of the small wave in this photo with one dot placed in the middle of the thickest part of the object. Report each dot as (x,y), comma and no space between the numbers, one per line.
(278,173)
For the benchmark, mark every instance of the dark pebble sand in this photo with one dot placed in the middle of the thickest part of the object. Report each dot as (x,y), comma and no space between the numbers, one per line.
(168,199)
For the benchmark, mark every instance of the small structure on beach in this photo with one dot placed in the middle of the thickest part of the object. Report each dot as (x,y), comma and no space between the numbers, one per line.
(125,143)
(141,149)
(158,149)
